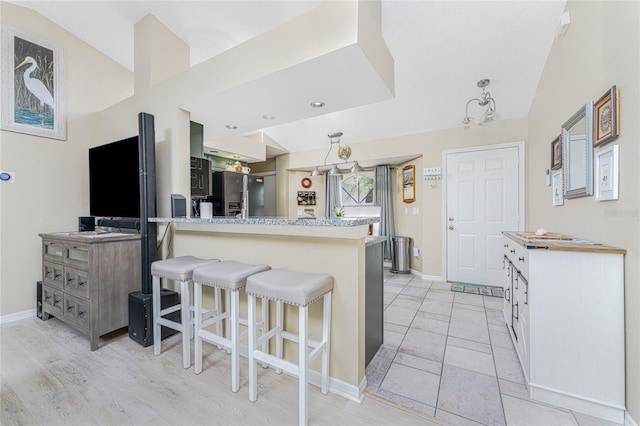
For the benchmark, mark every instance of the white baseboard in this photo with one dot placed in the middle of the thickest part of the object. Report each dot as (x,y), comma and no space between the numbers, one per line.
(17,316)
(341,388)
(425,277)
(628,420)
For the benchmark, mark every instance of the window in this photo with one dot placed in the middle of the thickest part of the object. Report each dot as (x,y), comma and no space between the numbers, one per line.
(358,189)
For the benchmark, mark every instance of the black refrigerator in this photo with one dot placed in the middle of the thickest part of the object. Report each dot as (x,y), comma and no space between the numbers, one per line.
(227,194)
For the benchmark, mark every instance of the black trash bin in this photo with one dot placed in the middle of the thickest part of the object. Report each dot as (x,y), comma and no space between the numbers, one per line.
(401,255)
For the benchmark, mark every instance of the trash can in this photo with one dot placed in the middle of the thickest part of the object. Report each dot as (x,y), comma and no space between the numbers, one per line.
(401,255)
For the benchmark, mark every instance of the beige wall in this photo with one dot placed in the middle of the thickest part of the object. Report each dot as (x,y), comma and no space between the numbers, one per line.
(599,50)
(426,227)
(51,188)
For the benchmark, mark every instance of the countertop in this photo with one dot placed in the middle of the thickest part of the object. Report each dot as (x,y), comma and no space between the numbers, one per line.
(573,244)
(343,228)
(293,221)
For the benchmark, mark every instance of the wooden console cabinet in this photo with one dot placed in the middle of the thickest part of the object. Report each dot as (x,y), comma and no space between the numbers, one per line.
(564,307)
(87,278)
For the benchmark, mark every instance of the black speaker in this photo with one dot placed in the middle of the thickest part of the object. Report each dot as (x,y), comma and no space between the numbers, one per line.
(39,299)
(148,230)
(141,315)
(86,223)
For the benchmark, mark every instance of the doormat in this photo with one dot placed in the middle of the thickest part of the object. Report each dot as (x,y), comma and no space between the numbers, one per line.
(484,290)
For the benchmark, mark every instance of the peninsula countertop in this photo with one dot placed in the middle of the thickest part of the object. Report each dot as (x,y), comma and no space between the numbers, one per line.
(350,228)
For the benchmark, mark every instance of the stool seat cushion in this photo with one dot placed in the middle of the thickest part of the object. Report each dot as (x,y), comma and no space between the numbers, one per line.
(178,268)
(295,288)
(227,274)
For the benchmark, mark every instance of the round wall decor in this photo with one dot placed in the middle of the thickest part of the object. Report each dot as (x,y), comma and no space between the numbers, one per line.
(306,182)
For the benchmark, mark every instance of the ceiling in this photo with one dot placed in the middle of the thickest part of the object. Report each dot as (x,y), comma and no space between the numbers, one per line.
(440,49)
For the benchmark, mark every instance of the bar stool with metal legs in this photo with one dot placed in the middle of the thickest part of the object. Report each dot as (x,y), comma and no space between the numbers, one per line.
(232,277)
(178,269)
(299,289)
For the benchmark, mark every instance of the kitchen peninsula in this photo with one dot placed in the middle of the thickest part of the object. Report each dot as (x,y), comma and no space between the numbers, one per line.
(339,247)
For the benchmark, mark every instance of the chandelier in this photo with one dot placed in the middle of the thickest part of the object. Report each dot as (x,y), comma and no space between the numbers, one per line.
(490,117)
(344,152)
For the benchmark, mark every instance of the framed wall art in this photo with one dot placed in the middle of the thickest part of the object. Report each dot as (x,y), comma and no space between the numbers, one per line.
(408,185)
(33,92)
(606,112)
(556,154)
(607,174)
(557,189)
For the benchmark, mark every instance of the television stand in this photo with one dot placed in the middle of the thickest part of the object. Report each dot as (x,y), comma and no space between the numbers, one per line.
(87,280)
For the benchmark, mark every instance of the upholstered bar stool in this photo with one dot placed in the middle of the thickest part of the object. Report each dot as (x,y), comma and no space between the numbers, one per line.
(178,269)
(232,277)
(299,289)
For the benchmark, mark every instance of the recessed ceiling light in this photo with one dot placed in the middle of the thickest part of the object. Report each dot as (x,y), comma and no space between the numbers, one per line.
(317,104)
(236,157)
(269,117)
(231,126)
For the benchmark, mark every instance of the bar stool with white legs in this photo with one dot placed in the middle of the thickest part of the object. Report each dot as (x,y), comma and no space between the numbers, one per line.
(299,289)
(232,277)
(178,269)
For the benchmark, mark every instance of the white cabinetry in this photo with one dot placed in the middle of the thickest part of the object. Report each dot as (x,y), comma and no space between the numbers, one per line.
(564,307)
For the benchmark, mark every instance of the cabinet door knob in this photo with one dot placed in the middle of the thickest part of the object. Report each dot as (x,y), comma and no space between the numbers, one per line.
(450,219)
(451,228)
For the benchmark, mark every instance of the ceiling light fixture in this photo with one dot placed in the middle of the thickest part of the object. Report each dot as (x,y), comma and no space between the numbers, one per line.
(490,117)
(317,104)
(356,168)
(268,117)
(231,126)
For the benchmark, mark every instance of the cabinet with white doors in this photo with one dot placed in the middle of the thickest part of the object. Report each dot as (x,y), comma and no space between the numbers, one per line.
(564,308)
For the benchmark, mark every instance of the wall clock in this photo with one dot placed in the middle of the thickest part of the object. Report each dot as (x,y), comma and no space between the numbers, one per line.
(306,183)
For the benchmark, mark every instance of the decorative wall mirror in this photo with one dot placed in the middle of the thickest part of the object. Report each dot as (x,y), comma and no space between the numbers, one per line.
(577,152)
(408,186)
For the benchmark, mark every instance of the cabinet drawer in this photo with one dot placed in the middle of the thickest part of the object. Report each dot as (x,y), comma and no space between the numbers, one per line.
(77,255)
(52,274)
(53,251)
(76,282)
(52,299)
(76,310)
(518,255)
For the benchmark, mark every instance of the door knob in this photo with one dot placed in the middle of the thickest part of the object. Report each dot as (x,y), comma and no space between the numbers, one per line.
(451,228)
(450,219)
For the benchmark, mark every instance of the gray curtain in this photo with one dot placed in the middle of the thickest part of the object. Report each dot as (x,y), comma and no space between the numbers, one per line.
(332,188)
(383,199)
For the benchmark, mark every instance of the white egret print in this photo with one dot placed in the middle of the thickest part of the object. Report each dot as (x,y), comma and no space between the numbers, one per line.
(32,89)
(33,85)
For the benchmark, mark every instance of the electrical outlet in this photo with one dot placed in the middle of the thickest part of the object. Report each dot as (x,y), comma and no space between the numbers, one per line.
(416,252)
(416,210)
(300,213)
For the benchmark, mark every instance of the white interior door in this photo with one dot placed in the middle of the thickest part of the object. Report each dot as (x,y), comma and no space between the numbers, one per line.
(483,199)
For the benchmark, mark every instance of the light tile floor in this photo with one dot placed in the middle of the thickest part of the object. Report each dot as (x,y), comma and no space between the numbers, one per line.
(449,355)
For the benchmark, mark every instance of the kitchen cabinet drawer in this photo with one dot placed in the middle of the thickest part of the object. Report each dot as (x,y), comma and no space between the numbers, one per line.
(52,300)
(76,282)
(53,274)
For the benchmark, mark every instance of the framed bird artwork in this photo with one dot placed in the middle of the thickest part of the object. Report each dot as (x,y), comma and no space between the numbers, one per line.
(33,92)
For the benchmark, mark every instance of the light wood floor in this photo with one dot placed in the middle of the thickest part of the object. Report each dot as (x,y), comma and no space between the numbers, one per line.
(50,377)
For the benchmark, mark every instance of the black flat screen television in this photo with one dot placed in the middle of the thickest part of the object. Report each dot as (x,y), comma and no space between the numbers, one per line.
(114,179)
